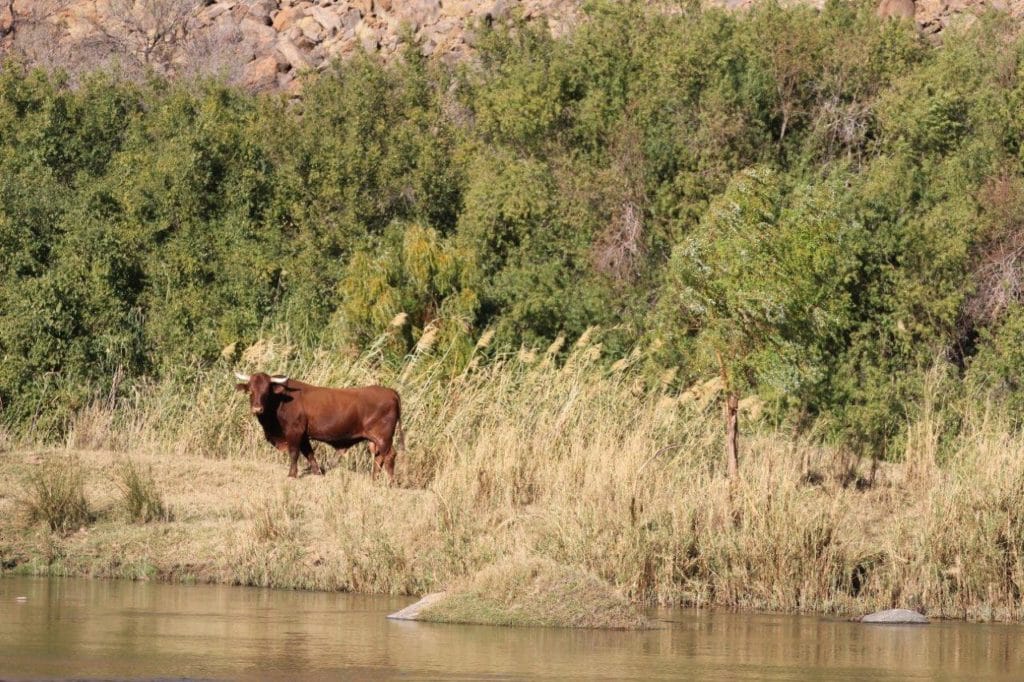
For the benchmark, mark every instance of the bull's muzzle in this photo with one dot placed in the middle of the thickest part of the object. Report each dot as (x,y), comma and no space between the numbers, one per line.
(257,410)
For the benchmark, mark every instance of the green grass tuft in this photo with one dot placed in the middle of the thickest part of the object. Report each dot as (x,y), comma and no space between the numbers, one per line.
(141,498)
(56,495)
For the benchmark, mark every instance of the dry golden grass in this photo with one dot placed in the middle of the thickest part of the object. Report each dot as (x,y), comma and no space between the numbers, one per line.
(141,499)
(566,462)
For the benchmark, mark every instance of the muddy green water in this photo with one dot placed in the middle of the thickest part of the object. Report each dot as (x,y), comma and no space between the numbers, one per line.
(64,628)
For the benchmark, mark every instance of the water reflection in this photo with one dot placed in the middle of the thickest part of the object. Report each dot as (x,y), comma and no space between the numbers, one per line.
(114,629)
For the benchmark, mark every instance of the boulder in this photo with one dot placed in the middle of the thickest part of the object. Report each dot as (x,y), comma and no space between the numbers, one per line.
(287,17)
(895,616)
(420,12)
(351,19)
(496,10)
(255,30)
(6,17)
(329,20)
(460,9)
(299,38)
(443,26)
(260,74)
(896,9)
(261,9)
(312,29)
(289,84)
(212,12)
(79,22)
(292,54)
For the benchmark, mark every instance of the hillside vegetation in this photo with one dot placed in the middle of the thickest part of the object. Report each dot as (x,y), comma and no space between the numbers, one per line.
(819,206)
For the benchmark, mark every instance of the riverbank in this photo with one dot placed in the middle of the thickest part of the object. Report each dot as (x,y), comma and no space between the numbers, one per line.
(567,463)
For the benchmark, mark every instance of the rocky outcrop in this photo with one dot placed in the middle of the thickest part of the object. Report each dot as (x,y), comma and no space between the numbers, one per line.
(934,16)
(265,44)
(6,17)
(259,43)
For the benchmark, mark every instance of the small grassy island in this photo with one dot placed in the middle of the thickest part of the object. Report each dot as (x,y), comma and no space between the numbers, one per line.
(534,592)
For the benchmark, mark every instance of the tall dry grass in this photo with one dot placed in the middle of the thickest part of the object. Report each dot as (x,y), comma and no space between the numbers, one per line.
(570,460)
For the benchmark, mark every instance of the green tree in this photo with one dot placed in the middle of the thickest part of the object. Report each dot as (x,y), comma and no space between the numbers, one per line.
(762,285)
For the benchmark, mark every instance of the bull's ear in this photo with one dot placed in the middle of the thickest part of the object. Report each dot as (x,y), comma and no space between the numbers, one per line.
(278,388)
(244,388)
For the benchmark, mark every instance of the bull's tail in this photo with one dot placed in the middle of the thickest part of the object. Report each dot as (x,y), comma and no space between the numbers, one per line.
(399,430)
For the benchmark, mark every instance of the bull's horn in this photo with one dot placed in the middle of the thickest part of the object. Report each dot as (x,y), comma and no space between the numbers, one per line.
(242,377)
(279,380)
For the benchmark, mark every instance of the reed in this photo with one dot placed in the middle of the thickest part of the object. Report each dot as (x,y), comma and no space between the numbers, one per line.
(564,460)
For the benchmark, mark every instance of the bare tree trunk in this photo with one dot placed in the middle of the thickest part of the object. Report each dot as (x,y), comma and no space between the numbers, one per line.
(731,411)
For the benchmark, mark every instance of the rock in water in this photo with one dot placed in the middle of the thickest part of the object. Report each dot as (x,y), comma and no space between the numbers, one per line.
(895,616)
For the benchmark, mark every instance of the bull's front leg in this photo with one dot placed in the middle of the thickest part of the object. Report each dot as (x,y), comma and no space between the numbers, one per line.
(293,454)
(307,450)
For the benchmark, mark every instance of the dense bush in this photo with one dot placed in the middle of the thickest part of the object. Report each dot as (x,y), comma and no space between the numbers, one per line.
(824,200)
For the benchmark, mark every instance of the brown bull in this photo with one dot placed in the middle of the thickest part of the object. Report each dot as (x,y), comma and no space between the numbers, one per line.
(293,414)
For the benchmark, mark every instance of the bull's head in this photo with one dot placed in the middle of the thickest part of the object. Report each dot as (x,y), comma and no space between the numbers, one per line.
(260,387)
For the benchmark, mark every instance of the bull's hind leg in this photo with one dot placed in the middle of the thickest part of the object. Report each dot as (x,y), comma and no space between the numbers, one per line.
(377,459)
(307,450)
(383,458)
(389,463)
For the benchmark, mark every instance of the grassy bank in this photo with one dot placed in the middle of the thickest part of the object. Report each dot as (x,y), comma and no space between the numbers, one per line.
(568,461)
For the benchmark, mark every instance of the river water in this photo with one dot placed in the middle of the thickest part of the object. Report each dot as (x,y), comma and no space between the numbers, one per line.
(61,628)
